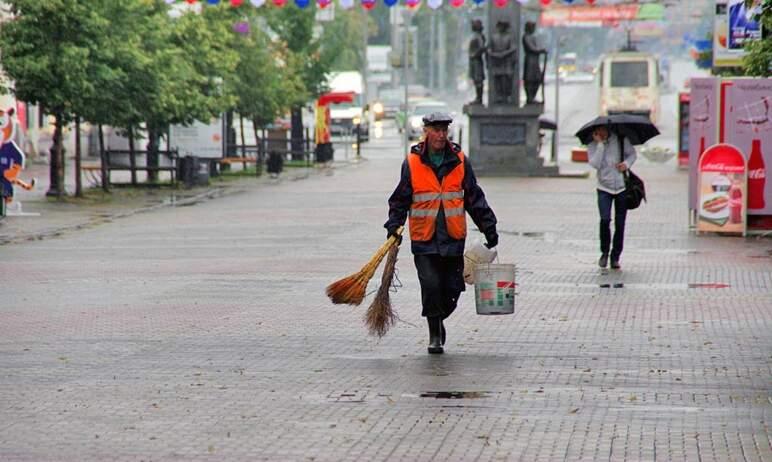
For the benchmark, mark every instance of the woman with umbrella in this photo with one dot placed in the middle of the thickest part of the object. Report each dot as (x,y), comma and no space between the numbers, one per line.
(610,151)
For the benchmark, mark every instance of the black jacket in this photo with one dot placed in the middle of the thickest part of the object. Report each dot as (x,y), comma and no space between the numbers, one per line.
(474,204)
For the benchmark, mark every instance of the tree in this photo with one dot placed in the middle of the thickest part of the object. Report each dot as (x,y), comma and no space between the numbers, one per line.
(48,50)
(758,59)
(264,84)
(294,26)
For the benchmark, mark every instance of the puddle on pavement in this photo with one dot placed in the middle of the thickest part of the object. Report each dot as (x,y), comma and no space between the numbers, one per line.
(454,394)
(544,236)
(708,285)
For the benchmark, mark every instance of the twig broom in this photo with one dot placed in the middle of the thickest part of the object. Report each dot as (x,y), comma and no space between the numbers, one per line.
(380,315)
(351,290)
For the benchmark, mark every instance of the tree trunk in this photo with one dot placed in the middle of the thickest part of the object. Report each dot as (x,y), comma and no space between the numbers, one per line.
(132,159)
(56,171)
(259,150)
(296,136)
(103,161)
(78,182)
(243,141)
(152,147)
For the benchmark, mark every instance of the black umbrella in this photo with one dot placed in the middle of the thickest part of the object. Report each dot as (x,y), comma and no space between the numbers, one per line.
(637,129)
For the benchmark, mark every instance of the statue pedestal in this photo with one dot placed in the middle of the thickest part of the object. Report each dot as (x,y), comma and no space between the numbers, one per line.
(503,141)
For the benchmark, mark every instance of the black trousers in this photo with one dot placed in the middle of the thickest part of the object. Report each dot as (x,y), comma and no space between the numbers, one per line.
(442,281)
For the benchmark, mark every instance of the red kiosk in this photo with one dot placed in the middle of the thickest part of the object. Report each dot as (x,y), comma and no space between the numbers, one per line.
(324,151)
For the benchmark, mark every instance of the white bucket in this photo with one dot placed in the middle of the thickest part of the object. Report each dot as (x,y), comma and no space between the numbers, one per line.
(494,290)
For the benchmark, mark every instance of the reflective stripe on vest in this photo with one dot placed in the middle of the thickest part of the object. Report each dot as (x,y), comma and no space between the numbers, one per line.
(429,195)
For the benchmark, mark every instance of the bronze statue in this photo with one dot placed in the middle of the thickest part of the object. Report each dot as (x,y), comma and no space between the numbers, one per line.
(477,59)
(533,74)
(502,56)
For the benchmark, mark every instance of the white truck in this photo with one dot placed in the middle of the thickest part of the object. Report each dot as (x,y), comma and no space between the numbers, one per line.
(345,117)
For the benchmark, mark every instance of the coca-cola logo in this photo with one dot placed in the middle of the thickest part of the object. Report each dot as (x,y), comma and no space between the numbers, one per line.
(757,174)
(721,167)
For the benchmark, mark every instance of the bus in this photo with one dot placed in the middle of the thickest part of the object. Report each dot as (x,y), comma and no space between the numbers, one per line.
(629,83)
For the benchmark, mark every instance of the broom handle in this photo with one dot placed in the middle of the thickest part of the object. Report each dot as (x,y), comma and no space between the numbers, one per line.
(384,249)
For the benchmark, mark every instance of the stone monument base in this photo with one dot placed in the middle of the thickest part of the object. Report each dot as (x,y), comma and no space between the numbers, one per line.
(503,141)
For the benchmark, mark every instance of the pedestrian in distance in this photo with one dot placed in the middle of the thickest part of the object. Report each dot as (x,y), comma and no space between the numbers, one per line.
(604,155)
(437,188)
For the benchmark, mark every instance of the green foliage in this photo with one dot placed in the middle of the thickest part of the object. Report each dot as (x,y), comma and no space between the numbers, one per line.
(295,28)
(49,51)
(758,59)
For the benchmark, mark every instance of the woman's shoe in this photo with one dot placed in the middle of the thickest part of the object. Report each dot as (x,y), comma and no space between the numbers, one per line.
(603,260)
(615,264)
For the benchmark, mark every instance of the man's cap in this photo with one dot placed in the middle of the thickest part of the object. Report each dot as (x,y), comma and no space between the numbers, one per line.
(437,118)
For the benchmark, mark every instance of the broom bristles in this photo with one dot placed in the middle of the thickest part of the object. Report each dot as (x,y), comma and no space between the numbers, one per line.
(351,290)
(380,315)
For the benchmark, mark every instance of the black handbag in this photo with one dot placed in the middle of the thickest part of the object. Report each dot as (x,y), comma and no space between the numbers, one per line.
(635,190)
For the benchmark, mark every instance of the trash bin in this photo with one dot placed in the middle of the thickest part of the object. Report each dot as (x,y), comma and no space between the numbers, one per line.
(275,163)
(193,171)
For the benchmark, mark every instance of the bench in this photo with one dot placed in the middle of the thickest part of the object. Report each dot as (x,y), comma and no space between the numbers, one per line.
(121,160)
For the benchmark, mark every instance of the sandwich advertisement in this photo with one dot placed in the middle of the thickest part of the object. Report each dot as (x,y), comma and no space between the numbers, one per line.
(722,191)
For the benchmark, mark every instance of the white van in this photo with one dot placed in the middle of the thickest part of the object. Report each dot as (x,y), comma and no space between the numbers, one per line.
(345,116)
(629,83)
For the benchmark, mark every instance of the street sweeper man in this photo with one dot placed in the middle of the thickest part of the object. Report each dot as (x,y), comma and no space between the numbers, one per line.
(436,189)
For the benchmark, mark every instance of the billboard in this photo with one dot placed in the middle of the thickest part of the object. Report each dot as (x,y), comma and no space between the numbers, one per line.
(733,27)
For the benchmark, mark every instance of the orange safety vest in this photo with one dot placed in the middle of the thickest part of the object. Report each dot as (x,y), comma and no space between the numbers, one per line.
(429,194)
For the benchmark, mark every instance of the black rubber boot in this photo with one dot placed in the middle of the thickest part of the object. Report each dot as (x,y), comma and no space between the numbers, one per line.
(435,335)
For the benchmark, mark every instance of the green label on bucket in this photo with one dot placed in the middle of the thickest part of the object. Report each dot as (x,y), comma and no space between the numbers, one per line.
(499,294)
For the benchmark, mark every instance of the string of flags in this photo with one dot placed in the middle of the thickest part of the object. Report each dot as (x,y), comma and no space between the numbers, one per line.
(370,4)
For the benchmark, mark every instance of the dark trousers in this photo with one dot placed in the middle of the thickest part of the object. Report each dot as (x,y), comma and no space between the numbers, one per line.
(442,281)
(620,214)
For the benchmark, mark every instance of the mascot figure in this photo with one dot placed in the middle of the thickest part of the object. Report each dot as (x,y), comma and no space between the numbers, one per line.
(11,160)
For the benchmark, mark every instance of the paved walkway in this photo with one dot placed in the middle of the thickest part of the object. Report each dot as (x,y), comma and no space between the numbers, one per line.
(203,333)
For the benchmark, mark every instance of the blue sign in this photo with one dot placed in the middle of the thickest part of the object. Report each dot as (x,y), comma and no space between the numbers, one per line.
(743,27)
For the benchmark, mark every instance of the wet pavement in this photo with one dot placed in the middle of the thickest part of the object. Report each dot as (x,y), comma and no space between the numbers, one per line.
(203,332)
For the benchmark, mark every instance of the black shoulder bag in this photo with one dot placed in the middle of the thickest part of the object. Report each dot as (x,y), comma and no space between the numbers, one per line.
(635,191)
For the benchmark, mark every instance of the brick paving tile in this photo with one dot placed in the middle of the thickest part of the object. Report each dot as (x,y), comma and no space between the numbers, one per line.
(203,333)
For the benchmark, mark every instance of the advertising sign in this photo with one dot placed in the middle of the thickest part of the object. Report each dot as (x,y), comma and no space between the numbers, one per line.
(722,55)
(703,126)
(733,27)
(198,139)
(742,25)
(722,190)
(749,128)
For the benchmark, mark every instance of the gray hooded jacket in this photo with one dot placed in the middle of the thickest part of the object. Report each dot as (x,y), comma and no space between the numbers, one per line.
(604,157)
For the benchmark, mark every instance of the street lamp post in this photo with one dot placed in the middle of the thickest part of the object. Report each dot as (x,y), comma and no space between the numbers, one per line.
(555,140)
(405,21)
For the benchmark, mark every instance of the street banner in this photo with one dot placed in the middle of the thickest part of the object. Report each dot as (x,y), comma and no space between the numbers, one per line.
(734,26)
(722,55)
(703,126)
(198,139)
(743,27)
(722,190)
(748,127)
